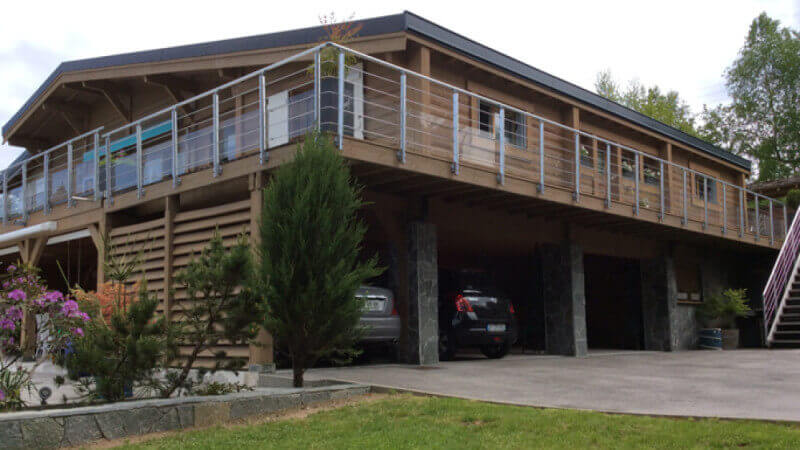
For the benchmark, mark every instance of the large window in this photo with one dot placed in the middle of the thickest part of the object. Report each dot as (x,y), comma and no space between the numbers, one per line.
(710,190)
(513,125)
(514,128)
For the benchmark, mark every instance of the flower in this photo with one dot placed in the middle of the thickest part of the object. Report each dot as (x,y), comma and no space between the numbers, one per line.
(14,313)
(6,324)
(54,296)
(78,331)
(17,294)
(2,395)
(12,268)
(70,308)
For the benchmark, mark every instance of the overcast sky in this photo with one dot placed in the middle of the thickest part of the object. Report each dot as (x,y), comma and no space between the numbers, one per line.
(680,45)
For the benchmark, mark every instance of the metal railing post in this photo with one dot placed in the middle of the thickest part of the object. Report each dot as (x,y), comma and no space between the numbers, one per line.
(577,194)
(771,224)
(636,184)
(455,133)
(46,162)
(501,176)
(262,118)
(340,102)
(758,222)
(661,188)
(724,210)
(685,219)
(541,156)
(741,212)
(70,175)
(608,175)
(139,162)
(215,147)
(317,89)
(5,197)
(109,181)
(175,166)
(25,191)
(705,202)
(96,167)
(401,155)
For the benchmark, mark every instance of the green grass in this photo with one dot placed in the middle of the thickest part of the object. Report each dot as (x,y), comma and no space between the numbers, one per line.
(402,421)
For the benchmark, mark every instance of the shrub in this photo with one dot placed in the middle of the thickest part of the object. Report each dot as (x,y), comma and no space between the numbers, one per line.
(793,198)
(722,308)
(113,356)
(216,307)
(309,266)
(59,320)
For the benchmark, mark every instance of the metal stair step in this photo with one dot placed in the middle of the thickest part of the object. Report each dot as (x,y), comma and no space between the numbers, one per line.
(786,341)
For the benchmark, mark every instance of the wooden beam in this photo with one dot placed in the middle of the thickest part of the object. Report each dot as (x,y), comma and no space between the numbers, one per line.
(31,143)
(260,348)
(171,206)
(111,92)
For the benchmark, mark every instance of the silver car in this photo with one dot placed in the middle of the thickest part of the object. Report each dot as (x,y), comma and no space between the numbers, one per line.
(380,318)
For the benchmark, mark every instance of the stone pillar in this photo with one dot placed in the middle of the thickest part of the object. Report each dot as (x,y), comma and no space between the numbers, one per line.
(423,295)
(659,303)
(564,299)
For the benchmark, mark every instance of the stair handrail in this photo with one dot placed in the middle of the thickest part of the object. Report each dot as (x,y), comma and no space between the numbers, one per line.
(782,271)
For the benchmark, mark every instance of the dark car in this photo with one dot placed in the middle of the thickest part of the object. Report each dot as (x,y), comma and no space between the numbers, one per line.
(473,313)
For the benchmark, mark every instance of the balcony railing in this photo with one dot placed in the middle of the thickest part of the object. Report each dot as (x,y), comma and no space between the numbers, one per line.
(356,96)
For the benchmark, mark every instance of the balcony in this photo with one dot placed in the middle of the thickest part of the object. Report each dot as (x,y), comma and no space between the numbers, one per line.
(358,98)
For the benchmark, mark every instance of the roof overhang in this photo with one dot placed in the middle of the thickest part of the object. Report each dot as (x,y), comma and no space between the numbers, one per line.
(398,23)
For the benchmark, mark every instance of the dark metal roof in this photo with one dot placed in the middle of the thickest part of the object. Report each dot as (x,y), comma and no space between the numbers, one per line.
(383,25)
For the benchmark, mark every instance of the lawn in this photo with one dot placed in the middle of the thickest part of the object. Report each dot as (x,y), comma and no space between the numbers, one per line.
(402,421)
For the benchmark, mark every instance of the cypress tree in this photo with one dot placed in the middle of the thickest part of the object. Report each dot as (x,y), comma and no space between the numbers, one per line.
(309,265)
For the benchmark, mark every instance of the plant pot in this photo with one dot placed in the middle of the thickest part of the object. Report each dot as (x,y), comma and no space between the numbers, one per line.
(730,339)
(710,339)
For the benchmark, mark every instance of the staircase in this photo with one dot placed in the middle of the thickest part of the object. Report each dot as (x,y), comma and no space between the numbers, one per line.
(782,293)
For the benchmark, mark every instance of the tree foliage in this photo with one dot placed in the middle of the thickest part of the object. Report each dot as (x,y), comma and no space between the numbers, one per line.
(763,119)
(309,264)
(216,308)
(666,107)
(125,341)
(113,356)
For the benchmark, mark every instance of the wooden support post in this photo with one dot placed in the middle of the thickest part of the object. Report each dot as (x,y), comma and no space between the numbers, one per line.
(30,252)
(170,210)
(261,353)
(98,232)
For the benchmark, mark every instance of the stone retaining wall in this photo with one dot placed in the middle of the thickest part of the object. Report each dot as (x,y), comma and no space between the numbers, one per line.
(76,426)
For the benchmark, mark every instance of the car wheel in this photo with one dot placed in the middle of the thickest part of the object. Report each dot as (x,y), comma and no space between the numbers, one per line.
(447,346)
(496,351)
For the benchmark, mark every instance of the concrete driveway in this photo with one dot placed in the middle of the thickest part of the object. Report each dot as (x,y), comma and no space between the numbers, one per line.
(757,384)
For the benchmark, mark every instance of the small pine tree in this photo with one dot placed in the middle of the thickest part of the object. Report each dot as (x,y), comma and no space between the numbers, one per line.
(309,266)
(119,353)
(125,341)
(217,307)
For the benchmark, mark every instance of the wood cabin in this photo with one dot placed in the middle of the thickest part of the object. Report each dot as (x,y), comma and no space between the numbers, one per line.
(607,227)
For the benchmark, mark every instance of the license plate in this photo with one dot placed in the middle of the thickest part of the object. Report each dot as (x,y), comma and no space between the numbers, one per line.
(496,327)
(373,305)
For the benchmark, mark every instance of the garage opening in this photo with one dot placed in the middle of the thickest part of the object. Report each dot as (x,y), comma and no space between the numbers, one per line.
(613,303)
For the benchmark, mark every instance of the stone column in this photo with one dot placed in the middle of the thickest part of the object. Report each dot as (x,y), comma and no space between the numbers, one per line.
(423,295)
(564,299)
(659,303)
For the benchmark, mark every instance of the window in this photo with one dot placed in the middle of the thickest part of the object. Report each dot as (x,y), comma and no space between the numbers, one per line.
(710,191)
(513,125)
(651,173)
(301,112)
(486,118)
(514,128)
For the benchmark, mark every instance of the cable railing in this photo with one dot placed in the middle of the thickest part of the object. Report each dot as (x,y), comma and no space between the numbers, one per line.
(384,104)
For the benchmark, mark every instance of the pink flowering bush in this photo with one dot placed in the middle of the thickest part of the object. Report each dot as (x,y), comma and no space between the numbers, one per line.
(58,321)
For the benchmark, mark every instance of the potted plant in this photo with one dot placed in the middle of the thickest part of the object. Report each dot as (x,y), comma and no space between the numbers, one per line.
(719,312)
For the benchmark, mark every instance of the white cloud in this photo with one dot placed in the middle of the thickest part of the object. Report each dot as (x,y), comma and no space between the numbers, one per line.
(683,45)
